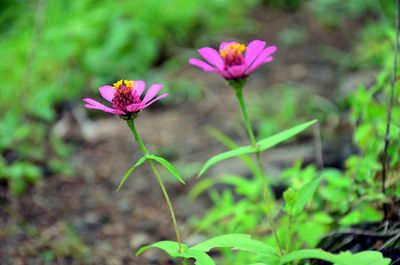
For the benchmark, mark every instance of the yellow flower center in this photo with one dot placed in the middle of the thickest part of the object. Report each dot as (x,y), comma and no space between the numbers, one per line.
(236,49)
(129,84)
(124,95)
(232,54)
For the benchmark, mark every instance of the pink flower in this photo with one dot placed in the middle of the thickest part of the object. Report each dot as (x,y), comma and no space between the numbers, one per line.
(126,97)
(234,60)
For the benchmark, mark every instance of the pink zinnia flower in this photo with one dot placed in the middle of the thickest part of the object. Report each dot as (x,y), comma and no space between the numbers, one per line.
(234,60)
(125,97)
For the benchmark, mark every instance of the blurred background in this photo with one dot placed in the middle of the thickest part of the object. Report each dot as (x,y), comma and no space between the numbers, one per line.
(60,164)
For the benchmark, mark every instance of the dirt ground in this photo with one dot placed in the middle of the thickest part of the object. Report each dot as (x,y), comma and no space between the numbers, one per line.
(85,216)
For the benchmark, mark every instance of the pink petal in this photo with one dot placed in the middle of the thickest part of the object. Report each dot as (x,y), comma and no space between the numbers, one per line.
(139,106)
(151,92)
(237,70)
(107,92)
(154,100)
(269,59)
(93,104)
(117,112)
(261,58)
(135,107)
(253,50)
(196,62)
(212,56)
(223,73)
(140,85)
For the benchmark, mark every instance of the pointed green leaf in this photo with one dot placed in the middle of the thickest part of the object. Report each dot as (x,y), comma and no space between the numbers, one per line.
(167,165)
(172,248)
(200,257)
(372,258)
(309,254)
(228,142)
(235,152)
(242,185)
(343,258)
(138,163)
(261,145)
(200,187)
(269,142)
(304,195)
(237,241)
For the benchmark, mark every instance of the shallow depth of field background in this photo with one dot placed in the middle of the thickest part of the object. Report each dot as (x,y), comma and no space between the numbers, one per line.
(60,163)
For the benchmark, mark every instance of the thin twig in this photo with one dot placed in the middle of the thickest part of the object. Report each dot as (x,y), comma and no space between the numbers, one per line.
(389,115)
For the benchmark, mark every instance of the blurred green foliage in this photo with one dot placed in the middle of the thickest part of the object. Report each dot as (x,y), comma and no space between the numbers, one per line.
(334,13)
(284,4)
(54,52)
(300,105)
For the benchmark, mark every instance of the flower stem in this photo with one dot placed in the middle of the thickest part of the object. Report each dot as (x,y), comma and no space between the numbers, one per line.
(145,152)
(239,95)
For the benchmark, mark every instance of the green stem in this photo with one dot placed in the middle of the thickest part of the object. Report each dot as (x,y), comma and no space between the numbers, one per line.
(239,94)
(145,152)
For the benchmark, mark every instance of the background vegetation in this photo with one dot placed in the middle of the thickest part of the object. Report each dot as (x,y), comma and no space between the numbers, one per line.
(56,52)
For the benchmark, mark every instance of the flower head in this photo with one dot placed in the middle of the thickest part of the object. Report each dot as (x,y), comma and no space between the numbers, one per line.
(234,60)
(125,97)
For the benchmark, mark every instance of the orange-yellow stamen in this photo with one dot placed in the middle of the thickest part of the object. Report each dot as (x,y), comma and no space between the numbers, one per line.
(117,84)
(128,84)
(235,48)
(232,54)
(124,95)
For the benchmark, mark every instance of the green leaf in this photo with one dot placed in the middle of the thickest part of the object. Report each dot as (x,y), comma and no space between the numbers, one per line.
(242,186)
(228,142)
(343,258)
(305,194)
(261,145)
(172,248)
(200,257)
(269,142)
(236,152)
(167,165)
(200,187)
(240,242)
(372,258)
(138,163)
(310,232)
(309,254)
